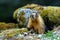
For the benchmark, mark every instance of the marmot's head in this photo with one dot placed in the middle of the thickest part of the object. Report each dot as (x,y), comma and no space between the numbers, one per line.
(33,20)
(34,15)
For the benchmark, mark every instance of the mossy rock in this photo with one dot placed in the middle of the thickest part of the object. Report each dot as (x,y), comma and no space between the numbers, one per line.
(12,32)
(54,14)
(22,16)
(51,12)
(4,26)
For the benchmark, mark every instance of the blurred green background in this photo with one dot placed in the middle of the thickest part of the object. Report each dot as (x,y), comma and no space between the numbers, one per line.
(7,7)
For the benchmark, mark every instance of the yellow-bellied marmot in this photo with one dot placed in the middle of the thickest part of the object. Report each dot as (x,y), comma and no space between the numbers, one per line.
(36,22)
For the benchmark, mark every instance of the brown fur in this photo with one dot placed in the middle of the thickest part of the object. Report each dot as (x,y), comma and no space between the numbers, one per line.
(37,24)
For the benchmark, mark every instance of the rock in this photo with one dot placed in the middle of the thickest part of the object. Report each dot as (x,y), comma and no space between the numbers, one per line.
(1,37)
(22,16)
(28,38)
(50,12)
(12,32)
(4,25)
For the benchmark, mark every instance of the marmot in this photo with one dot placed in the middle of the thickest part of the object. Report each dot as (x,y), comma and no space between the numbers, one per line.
(36,22)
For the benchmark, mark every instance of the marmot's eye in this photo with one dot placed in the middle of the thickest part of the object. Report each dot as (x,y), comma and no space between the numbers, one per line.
(32,16)
(36,14)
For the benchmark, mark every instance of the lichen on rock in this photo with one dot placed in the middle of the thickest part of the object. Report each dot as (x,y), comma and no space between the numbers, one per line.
(22,16)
